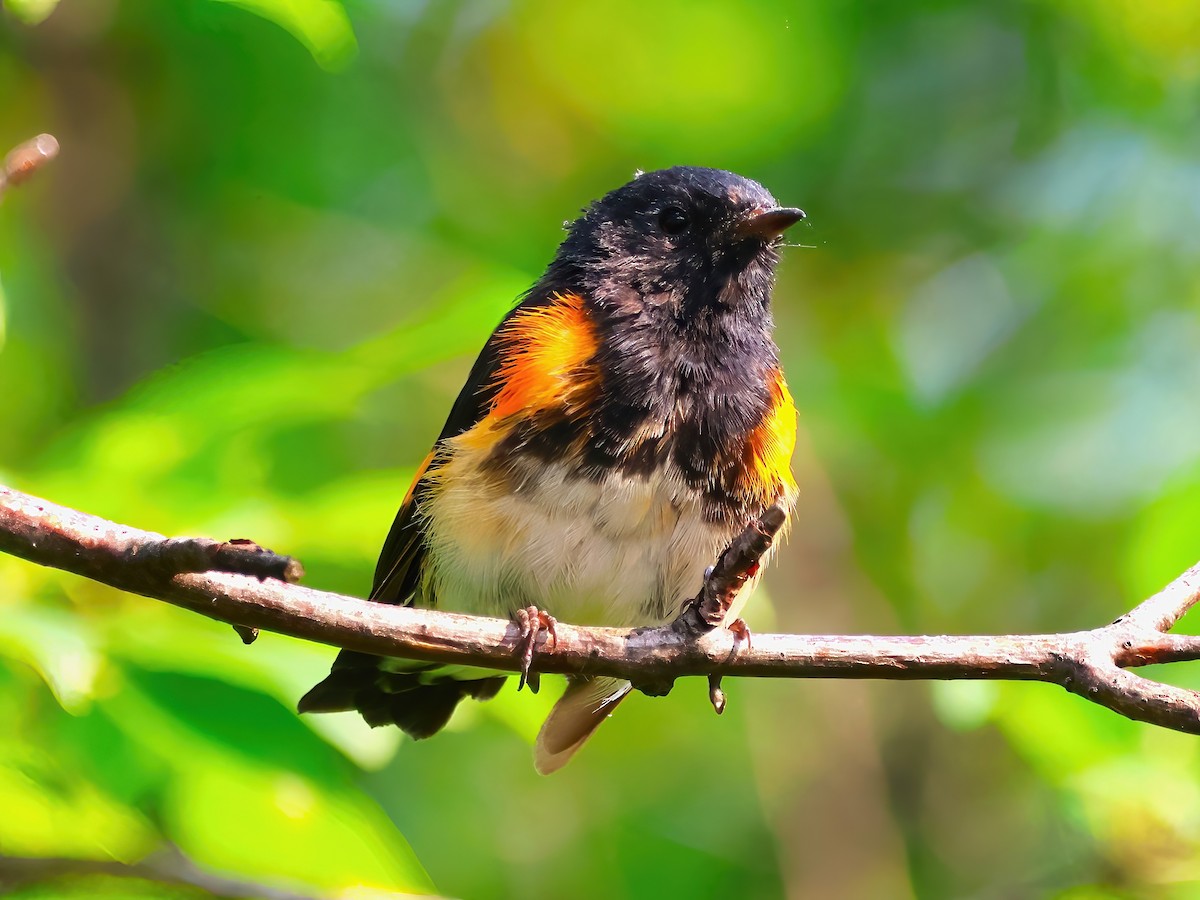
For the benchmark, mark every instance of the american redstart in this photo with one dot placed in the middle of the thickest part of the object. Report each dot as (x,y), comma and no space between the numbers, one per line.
(622,424)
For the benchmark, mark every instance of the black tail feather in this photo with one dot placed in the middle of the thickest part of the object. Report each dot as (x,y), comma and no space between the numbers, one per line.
(420,708)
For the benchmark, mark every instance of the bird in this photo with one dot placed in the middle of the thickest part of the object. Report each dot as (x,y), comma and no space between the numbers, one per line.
(624,421)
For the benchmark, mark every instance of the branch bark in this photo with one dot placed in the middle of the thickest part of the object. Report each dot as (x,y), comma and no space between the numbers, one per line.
(169,867)
(236,589)
(24,160)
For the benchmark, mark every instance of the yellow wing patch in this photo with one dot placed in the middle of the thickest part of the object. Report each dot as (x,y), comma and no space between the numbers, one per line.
(769,449)
(421,470)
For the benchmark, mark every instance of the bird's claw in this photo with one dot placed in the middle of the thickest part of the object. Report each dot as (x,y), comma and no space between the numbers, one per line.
(741,635)
(532,622)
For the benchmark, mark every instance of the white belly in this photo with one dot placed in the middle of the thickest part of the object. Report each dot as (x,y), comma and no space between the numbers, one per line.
(622,551)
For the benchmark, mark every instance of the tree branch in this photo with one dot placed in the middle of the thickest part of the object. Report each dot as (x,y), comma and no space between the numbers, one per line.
(1088,663)
(169,867)
(25,159)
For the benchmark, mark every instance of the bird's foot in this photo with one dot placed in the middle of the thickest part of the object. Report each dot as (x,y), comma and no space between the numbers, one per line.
(741,635)
(532,622)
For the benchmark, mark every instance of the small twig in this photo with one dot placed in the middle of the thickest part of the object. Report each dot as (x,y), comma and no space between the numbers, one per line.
(102,549)
(1089,663)
(250,635)
(239,556)
(25,159)
(716,696)
(168,868)
(1162,611)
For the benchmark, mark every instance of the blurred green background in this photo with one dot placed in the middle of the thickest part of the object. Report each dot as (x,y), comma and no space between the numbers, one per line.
(242,300)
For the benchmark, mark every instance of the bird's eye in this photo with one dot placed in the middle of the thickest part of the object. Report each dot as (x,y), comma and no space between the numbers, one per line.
(673,220)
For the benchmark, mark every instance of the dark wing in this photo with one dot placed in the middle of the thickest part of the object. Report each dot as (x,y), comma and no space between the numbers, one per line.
(399,565)
(356,680)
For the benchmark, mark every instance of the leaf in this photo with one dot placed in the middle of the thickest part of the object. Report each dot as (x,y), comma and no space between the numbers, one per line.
(162,640)
(31,12)
(251,790)
(268,822)
(50,810)
(320,25)
(57,645)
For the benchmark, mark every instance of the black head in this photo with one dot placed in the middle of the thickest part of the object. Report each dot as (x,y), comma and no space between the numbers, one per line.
(681,241)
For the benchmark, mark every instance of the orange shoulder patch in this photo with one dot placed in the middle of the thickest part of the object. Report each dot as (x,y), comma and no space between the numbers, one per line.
(544,351)
(769,449)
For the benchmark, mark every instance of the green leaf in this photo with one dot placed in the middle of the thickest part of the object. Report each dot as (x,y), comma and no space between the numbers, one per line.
(251,790)
(57,645)
(273,823)
(159,639)
(320,25)
(49,810)
(31,12)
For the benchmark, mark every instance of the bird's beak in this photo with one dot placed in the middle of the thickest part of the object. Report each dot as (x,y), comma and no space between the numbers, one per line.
(767,224)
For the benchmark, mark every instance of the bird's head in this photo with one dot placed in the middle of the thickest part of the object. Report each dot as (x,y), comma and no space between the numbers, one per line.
(683,240)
